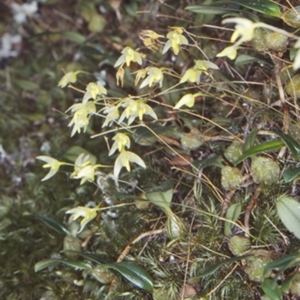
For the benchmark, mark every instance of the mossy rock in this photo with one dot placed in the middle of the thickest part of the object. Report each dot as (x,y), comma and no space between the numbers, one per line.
(264,170)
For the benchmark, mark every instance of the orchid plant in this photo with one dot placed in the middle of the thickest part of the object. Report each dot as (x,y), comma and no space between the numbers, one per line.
(120,115)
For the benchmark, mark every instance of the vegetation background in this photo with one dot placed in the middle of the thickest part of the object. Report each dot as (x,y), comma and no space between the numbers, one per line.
(231,161)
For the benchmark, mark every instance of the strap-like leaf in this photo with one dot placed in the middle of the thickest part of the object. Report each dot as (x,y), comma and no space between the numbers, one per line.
(281,263)
(54,261)
(95,257)
(271,289)
(250,140)
(133,273)
(267,146)
(292,144)
(263,6)
(232,214)
(212,269)
(53,224)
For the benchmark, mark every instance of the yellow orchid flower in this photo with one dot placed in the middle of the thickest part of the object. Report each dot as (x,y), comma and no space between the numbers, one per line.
(88,214)
(149,39)
(244,29)
(188,100)
(82,113)
(175,40)
(296,64)
(93,89)
(70,77)
(150,34)
(81,161)
(112,115)
(84,169)
(204,65)
(120,76)
(121,141)
(193,74)
(124,159)
(51,163)
(129,55)
(87,173)
(155,75)
(230,52)
(140,74)
(134,109)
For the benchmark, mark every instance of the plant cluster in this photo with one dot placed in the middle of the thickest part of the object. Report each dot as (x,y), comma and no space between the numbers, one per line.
(191,193)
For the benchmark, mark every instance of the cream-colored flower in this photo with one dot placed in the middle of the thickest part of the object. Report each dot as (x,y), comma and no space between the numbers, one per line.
(122,141)
(230,52)
(88,214)
(188,100)
(194,74)
(150,34)
(51,163)
(70,77)
(124,159)
(134,109)
(81,161)
(86,173)
(204,65)
(112,115)
(244,29)
(150,38)
(191,75)
(296,64)
(84,169)
(129,55)
(175,40)
(82,113)
(155,75)
(120,76)
(93,89)
(140,74)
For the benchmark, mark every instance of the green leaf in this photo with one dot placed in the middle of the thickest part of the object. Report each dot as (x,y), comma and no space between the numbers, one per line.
(282,263)
(145,136)
(232,214)
(162,196)
(245,59)
(54,261)
(290,174)
(209,9)
(95,257)
(288,210)
(263,6)
(250,140)
(26,84)
(74,36)
(271,289)
(90,50)
(292,17)
(212,269)
(53,224)
(286,284)
(212,161)
(267,146)
(133,273)
(73,152)
(292,144)
(162,199)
